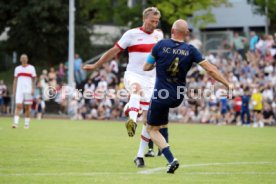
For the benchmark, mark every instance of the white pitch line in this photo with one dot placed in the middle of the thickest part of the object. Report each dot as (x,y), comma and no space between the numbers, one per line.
(156,171)
(131,173)
(230,173)
(150,171)
(67,174)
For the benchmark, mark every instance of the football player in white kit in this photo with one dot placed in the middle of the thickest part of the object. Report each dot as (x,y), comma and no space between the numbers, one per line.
(23,89)
(139,42)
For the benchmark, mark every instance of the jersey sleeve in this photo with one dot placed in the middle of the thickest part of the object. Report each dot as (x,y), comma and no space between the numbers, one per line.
(196,55)
(33,72)
(125,40)
(155,49)
(16,72)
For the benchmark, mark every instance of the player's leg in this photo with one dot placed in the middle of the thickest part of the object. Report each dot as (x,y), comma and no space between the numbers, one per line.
(157,137)
(158,116)
(18,108)
(248,117)
(260,117)
(160,141)
(132,84)
(164,132)
(27,116)
(133,108)
(150,152)
(28,100)
(146,93)
(242,117)
(255,118)
(144,141)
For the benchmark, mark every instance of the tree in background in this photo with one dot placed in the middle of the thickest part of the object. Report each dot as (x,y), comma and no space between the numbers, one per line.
(119,13)
(271,7)
(185,9)
(171,10)
(40,28)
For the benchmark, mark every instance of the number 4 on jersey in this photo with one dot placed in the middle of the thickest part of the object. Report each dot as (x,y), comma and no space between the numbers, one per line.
(173,69)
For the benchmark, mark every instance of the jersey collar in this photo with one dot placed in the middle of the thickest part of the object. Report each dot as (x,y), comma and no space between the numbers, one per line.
(25,65)
(142,29)
(177,40)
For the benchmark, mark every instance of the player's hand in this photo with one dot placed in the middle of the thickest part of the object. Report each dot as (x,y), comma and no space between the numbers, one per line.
(231,87)
(89,67)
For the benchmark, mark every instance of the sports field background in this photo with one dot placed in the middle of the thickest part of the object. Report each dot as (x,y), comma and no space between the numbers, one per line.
(64,151)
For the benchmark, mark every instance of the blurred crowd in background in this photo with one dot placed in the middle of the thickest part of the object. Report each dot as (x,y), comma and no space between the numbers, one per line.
(250,64)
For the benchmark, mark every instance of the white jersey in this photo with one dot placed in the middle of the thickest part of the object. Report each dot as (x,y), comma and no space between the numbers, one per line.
(139,45)
(24,78)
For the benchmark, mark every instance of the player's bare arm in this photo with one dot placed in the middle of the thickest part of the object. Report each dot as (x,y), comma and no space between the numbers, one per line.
(215,73)
(14,85)
(148,67)
(33,84)
(105,58)
(149,64)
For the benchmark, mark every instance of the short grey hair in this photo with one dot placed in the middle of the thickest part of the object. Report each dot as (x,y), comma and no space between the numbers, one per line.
(151,10)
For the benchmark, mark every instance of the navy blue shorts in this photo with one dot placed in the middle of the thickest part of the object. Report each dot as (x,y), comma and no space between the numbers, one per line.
(223,111)
(158,114)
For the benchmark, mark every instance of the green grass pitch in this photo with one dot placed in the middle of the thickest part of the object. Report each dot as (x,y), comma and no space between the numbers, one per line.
(64,151)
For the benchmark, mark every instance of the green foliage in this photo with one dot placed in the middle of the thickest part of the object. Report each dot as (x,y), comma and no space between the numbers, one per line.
(185,9)
(171,10)
(40,29)
(270,4)
(96,11)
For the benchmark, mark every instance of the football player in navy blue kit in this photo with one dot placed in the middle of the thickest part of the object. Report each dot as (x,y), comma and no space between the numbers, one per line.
(173,58)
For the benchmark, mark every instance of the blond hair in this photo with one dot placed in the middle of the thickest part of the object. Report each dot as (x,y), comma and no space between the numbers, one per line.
(151,10)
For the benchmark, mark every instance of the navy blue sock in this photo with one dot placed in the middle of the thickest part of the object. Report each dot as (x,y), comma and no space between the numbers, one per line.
(150,144)
(164,132)
(168,154)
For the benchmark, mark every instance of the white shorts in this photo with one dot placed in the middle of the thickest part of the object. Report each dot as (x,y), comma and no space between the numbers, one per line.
(146,83)
(26,98)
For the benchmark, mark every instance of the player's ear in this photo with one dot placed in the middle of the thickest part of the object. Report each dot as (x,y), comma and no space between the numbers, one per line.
(172,31)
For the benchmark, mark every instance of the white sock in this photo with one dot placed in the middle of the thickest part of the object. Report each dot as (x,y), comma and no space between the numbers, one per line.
(27,121)
(16,120)
(134,102)
(144,142)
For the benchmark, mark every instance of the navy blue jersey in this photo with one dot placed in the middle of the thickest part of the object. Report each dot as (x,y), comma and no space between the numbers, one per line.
(245,102)
(173,61)
(224,104)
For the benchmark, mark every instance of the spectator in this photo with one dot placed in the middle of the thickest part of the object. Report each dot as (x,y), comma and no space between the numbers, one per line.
(52,76)
(102,85)
(237,104)
(40,108)
(261,46)
(113,66)
(61,73)
(43,84)
(3,89)
(268,115)
(238,44)
(245,107)
(257,103)
(79,73)
(253,41)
